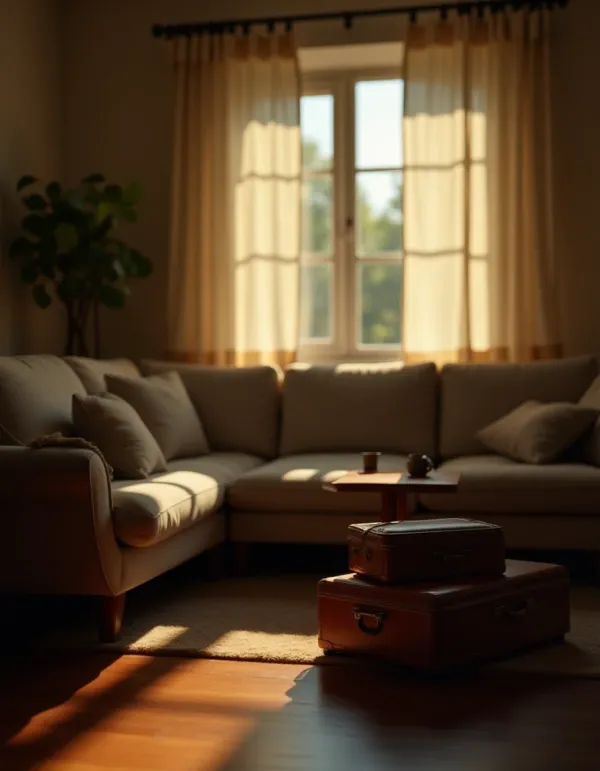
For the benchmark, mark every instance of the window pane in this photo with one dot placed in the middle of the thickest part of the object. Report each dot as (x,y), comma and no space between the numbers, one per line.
(379,106)
(317,211)
(316,123)
(380,303)
(315,305)
(378,212)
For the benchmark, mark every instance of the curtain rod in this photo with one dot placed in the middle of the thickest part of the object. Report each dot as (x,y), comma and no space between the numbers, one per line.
(230,25)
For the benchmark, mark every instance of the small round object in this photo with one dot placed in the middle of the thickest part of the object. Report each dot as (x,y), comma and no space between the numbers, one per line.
(418,465)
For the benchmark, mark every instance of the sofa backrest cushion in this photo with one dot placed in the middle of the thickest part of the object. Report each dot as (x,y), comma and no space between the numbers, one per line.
(239,407)
(474,395)
(357,408)
(35,397)
(92,372)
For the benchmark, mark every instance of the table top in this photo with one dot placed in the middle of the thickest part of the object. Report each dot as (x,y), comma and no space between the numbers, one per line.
(381,481)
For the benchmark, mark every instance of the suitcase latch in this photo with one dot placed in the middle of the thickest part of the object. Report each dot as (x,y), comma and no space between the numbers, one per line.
(375,620)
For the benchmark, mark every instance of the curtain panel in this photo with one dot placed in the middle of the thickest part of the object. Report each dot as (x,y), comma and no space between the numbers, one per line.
(235,220)
(480,277)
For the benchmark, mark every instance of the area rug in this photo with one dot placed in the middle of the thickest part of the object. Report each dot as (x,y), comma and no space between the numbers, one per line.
(273,618)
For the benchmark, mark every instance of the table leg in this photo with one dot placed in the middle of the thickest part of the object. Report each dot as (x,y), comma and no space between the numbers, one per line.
(393,506)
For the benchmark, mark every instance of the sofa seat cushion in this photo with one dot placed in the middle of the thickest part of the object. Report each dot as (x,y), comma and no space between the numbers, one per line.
(147,512)
(35,397)
(496,485)
(295,484)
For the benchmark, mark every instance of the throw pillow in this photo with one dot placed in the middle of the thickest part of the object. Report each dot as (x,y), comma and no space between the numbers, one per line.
(92,372)
(163,404)
(537,433)
(119,433)
(591,446)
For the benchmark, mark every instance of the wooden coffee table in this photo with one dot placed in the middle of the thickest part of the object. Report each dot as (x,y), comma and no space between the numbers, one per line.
(394,488)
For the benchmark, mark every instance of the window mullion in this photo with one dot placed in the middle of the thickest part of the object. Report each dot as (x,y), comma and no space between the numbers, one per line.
(350,220)
(341,287)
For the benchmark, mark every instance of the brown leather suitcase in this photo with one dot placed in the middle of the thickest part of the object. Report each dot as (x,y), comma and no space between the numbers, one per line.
(443,626)
(426,550)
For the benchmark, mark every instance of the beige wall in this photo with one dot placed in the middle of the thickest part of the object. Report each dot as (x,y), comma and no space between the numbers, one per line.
(118,120)
(30,142)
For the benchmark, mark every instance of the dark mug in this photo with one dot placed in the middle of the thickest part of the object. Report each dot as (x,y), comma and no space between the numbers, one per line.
(418,465)
(370,462)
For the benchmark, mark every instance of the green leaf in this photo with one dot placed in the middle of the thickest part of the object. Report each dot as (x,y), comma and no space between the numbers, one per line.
(35,202)
(41,296)
(128,214)
(118,269)
(143,266)
(111,296)
(21,247)
(92,195)
(35,224)
(75,199)
(54,191)
(93,179)
(113,193)
(66,237)
(104,211)
(47,267)
(133,193)
(64,291)
(25,181)
(30,272)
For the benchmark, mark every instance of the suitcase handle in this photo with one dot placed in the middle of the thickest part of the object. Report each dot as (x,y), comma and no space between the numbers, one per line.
(517,611)
(377,616)
(452,555)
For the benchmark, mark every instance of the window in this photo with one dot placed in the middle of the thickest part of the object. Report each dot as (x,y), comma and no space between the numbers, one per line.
(351,280)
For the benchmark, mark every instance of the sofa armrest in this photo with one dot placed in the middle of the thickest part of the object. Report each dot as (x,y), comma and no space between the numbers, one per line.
(56,531)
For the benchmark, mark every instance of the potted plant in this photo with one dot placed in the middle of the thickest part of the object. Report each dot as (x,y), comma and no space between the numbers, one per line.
(70,250)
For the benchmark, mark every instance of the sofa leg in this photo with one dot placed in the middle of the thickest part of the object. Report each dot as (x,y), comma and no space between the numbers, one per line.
(241,558)
(110,618)
(215,562)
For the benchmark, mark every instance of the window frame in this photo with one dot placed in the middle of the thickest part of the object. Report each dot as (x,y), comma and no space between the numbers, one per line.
(345,321)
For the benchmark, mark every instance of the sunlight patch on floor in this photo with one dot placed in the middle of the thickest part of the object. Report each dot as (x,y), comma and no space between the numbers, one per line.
(160,636)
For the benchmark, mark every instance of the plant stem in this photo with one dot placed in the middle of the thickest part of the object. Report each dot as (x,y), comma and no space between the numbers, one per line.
(96,321)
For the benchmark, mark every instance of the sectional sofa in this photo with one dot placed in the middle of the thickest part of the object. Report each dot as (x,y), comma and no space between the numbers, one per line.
(275,438)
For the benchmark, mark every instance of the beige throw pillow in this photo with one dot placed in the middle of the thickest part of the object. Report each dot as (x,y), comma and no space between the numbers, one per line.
(537,433)
(163,404)
(92,372)
(119,433)
(591,447)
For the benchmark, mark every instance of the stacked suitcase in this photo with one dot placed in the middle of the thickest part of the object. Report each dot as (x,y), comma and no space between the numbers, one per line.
(439,594)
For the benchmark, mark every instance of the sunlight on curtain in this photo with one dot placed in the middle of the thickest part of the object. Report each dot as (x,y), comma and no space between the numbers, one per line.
(234,264)
(479,265)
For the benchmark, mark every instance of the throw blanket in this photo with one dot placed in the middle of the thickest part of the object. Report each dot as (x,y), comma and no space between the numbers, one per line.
(60,440)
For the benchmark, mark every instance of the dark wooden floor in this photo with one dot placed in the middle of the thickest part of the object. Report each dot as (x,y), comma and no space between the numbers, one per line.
(95,712)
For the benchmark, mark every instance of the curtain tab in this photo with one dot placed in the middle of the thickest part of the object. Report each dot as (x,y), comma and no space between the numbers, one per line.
(416,36)
(444,34)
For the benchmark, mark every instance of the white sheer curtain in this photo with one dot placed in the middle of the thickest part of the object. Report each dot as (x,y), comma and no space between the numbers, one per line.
(479,263)
(235,241)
